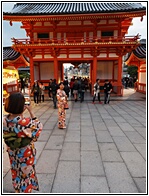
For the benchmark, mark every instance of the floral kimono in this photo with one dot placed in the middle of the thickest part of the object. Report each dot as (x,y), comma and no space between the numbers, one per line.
(61,97)
(19,135)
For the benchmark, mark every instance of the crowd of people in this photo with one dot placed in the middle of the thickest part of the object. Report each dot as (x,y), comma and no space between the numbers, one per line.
(21,132)
(129,82)
(75,89)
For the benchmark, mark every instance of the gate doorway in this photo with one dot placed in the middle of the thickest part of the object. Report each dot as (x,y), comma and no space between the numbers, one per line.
(76,70)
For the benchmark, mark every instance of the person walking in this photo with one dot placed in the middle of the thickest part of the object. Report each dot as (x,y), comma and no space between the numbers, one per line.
(19,135)
(107,91)
(97,91)
(62,100)
(22,85)
(66,88)
(49,89)
(35,91)
(42,88)
(82,90)
(71,86)
(54,86)
(75,90)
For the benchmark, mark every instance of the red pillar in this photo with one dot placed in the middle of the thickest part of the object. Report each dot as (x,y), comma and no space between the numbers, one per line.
(119,80)
(113,72)
(55,69)
(94,69)
(138,86)
(31,71)
(94,75)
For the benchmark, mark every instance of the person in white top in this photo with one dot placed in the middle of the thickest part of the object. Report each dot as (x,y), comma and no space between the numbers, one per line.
(42,88)
(97,91)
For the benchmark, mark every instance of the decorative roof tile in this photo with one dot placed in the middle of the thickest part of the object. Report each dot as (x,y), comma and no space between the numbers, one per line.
(10,54)
(139,52)
(72,8)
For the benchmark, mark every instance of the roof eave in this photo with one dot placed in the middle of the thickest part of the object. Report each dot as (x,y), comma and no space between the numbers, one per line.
(36,17)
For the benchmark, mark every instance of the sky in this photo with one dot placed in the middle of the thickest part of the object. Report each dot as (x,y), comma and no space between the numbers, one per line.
(18,33)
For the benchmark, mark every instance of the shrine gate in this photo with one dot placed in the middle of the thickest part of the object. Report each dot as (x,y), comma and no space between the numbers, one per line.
(60,33)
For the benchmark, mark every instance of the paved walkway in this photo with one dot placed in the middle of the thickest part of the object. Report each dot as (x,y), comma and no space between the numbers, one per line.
(103,149)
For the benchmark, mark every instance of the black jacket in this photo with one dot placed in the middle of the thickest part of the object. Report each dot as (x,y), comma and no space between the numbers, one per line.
(107,87)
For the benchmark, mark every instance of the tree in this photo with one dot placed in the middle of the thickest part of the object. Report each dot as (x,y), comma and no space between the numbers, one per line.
(132,71)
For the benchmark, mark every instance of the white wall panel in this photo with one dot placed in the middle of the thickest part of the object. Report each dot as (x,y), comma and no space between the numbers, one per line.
(104,69)
(142,78)
(36,73)
(38,57)
(75,56)
(113,55)
(46,70)
(62,56)
(46,56)
(103,55)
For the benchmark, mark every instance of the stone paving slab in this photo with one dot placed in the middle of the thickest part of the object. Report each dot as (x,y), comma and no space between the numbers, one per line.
(109,152)
(135,163)
(141,184)
(123,144)
(48,161)
(119,179)
(91,163)
(67,178)
(102,150)
(94,184)
(70,152)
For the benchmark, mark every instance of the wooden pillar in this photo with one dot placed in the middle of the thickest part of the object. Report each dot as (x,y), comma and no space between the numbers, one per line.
(138,86)
(113,71)
(39,71)
(119,79)
(62,71)
(31,71)
(94,69)
(55,69)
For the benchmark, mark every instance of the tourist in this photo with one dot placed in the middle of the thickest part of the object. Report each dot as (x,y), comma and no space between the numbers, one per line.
(107,91)
(62,100)
(22,85)
(97,91)
(42,88)
(75,90)
(35,91)
(19,135)
(82,90)
(49,89)
(54,86)
(71,86)
(66,88)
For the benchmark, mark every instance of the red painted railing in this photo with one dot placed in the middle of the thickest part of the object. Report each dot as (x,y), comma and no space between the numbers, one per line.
(76,40)
(141,87)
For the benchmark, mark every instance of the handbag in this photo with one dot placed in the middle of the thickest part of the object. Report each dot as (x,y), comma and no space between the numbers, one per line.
(66,106)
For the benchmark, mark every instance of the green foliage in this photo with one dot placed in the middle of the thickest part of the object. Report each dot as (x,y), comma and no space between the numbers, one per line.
(24,74)
(132,70)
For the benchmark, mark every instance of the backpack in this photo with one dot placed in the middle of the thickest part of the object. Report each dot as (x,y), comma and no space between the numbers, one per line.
(54,88)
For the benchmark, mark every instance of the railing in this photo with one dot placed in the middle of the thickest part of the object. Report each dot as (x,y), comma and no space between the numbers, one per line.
(77,40)
(141,87)
(11,88)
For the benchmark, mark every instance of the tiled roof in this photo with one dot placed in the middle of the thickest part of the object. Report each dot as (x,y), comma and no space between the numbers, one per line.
(72,8)
(139,52)
(10,54)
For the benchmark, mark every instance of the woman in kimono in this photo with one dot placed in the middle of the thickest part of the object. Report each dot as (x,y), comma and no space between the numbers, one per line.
(19,134)
(62,100)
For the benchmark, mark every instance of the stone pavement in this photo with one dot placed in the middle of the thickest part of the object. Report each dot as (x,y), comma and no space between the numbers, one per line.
(102,150)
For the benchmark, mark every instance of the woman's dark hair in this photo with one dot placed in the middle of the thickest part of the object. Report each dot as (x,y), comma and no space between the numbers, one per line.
(14,104)
(61,83)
